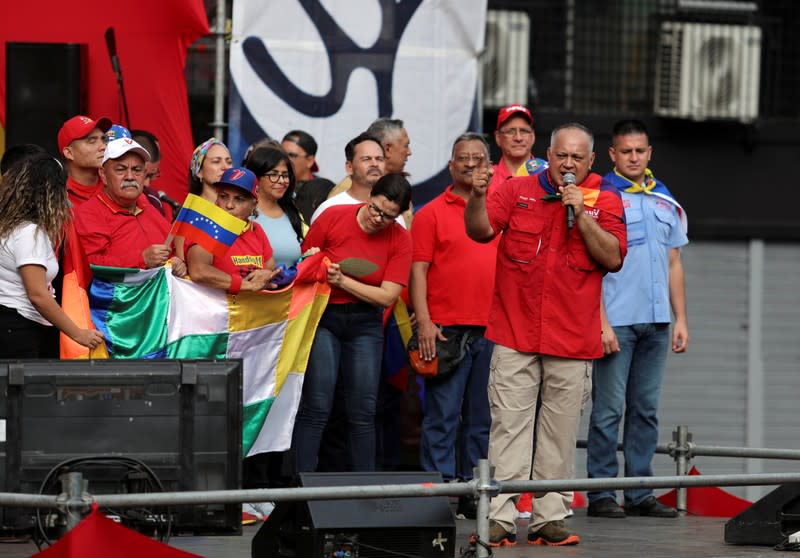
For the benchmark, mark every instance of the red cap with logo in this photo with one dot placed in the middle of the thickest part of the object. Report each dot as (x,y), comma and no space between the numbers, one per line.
(79,127)
(513,110)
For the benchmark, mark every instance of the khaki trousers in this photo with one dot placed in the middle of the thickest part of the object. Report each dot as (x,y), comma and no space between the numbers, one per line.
(515,381)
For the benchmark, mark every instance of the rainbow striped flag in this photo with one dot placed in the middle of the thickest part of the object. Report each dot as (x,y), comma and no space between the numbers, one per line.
(203,223)
(153,314)
(397,332)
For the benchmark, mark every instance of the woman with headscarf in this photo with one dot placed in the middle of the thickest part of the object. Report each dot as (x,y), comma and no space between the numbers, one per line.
(34,215)
(209,160)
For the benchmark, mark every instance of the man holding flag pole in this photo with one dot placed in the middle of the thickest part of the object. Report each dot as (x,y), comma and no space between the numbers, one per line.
(118,227)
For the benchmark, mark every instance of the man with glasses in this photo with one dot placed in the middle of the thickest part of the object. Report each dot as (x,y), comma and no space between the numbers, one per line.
(514,136)
(456,405)
(82,142)
(365,164)
(118,227)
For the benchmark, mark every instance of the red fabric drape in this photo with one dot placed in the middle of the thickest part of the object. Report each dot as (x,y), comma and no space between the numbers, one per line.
(707,500)
(152,38)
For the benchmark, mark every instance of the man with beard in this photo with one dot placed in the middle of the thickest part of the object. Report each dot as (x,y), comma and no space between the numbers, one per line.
(117,226)
(365,163)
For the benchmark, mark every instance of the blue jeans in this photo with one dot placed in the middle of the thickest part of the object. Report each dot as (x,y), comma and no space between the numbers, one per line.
(630,379)
(460,398)
(347,348)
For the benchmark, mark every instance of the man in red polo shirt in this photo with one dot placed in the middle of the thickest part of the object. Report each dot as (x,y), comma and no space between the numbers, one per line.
(514,136)
(451,289)
(118,227)
(82,143)
(544,319)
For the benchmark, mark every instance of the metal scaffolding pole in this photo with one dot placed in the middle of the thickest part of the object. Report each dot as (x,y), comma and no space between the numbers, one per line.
(219,123)
(405,490)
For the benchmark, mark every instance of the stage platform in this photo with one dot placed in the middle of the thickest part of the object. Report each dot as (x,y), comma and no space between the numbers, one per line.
(631,537)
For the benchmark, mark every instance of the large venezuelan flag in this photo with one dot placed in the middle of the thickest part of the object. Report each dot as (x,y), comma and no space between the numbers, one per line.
(152,314)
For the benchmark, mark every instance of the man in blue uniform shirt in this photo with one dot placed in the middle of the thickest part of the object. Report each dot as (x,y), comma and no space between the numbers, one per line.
(635,317)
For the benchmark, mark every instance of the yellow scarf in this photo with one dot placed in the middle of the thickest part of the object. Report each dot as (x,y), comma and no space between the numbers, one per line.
(649,183)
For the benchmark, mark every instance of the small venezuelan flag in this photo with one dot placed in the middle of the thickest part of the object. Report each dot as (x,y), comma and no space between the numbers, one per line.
(204,223)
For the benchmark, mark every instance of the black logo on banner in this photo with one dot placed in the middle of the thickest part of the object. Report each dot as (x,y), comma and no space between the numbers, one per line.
(344,56)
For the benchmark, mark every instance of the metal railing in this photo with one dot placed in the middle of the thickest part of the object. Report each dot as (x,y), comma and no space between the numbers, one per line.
(76,500)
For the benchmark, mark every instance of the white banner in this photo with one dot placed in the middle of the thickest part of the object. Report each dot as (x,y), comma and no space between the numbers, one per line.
(332,67)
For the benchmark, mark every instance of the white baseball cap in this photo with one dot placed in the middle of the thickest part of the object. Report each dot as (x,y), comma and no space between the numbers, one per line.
(119,147)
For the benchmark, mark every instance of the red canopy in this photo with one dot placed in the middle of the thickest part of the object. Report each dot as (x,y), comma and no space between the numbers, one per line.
(99,537)
(152,37)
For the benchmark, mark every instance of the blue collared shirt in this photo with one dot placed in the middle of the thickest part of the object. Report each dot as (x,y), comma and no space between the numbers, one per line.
(639,292)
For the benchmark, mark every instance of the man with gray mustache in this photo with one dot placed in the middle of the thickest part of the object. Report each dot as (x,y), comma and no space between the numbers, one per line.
(118,227)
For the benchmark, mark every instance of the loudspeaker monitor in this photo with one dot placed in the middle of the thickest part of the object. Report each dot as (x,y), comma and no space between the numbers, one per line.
(378,528)
(45,86)
(769,520)
(180,419)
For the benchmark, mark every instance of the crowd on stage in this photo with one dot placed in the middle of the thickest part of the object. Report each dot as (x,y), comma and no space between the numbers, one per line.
(534,284)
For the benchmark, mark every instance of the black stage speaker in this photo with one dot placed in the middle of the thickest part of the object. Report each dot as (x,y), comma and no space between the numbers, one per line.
(45,86)
(378,528)
(182,419)
(768,521)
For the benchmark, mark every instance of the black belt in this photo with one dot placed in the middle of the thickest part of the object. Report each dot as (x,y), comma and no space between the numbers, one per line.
(352,308)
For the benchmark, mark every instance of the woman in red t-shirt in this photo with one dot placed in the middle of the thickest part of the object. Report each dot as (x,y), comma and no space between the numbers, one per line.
(248,264)
(373,259)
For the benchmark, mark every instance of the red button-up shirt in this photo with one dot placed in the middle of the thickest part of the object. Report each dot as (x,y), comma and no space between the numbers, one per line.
(547,287)
(115,236)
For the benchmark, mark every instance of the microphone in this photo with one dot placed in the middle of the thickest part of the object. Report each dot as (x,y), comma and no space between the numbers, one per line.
(569,180)
(166,199)
(111,44)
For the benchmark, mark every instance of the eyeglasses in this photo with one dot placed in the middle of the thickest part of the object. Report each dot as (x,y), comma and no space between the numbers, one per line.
(376,212)
(277,176)
(465,159)
(511,132)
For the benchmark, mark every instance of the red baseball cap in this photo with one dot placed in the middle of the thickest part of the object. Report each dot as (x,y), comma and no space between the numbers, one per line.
(79,127)
(511,110)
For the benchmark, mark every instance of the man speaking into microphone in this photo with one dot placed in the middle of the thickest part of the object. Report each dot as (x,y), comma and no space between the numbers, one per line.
(544,319)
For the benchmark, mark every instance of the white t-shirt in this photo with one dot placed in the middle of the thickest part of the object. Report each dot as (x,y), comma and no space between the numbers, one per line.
(25,245)
(345,199)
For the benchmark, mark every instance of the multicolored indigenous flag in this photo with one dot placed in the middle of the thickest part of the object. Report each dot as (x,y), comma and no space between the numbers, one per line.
(153,314)
(202,222)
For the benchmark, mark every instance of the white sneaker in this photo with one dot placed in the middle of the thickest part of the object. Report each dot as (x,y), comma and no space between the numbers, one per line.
(260,510)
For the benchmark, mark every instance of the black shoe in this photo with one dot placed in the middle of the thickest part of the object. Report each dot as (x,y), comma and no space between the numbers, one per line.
(605,507)
(651,508)
(467,507)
